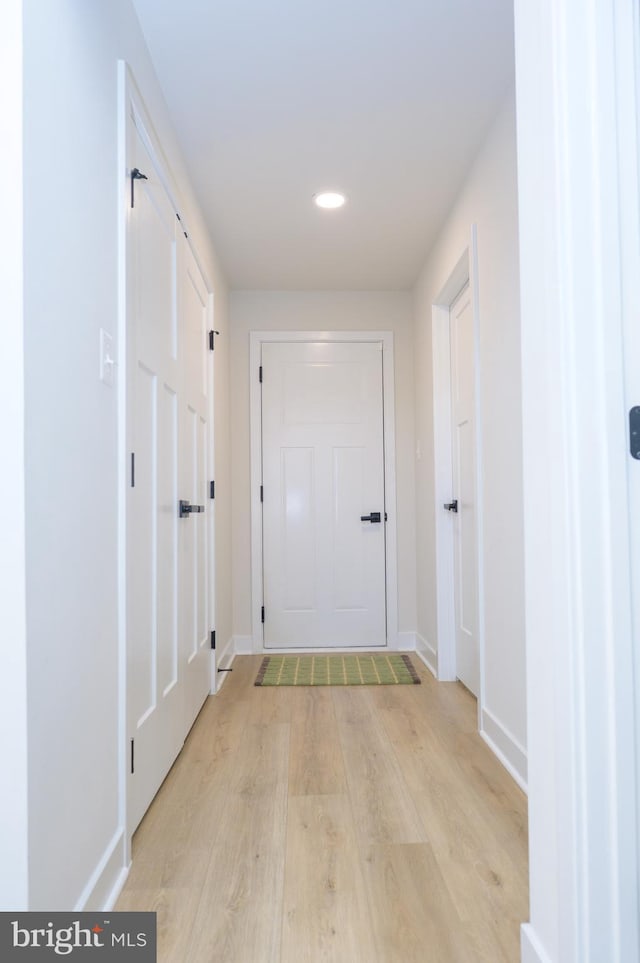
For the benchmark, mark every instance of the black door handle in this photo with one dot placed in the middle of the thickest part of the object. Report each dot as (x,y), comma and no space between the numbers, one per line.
(186,508)
(452,506)
(373,517)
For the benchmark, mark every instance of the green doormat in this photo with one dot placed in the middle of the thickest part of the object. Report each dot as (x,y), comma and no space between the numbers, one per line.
(337,670)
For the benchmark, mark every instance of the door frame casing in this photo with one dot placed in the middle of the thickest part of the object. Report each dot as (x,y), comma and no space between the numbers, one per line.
(577,65)
(465,272)
(256,340)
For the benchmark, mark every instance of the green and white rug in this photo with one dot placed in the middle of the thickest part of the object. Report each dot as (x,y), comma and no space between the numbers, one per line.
(394,669)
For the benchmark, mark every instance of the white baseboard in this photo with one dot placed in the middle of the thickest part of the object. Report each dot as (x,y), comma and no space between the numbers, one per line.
(243,645)
(428,654)
(506,747)
(403,642)
(532,950)
(107,879)
(226,654)
(112,898)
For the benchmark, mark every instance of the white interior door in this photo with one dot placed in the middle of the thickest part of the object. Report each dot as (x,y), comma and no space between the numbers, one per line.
(323,469)
(169,408)
(196,362)
(155,698)
(464,512)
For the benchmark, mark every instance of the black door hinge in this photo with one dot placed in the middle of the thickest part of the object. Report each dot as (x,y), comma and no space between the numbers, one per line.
(213,638)
(261,493)
(211,339)
(133,469)
(212,489)
(136,175)
(181,225)
(262,614)
(634,431)
(132,756)
(260,373)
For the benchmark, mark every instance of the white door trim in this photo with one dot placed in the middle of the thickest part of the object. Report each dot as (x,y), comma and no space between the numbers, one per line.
(256,340)
(211,509)
(14,808)
(574,234)
(465,271)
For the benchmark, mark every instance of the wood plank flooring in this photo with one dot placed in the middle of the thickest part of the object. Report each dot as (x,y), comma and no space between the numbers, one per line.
(350,825)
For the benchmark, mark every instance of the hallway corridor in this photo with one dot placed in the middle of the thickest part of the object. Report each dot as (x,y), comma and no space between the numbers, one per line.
(354,825)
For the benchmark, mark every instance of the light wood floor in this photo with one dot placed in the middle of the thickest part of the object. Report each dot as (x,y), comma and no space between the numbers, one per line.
(354,825)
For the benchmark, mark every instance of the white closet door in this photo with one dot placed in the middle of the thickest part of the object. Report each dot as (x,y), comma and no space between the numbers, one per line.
(169,409)
(155,696)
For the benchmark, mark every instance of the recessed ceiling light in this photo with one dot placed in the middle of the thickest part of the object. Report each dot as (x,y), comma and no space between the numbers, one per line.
(330,200)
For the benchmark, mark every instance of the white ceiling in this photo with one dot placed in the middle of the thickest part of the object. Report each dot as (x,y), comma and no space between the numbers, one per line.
(273,100)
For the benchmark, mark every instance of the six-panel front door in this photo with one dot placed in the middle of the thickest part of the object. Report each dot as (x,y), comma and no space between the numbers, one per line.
(323,494)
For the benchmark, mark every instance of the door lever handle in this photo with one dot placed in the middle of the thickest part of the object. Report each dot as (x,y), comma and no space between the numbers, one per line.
(186,508)
(452,506)
(373,517)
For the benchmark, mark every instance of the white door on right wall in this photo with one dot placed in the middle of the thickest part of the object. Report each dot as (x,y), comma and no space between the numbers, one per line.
(463,508)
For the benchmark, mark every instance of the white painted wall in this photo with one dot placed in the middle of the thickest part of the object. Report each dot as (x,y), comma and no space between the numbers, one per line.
(321,311)
(489,200)
(71,50)
(13,634)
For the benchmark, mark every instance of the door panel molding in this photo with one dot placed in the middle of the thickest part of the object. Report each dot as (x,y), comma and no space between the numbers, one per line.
(256,340)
